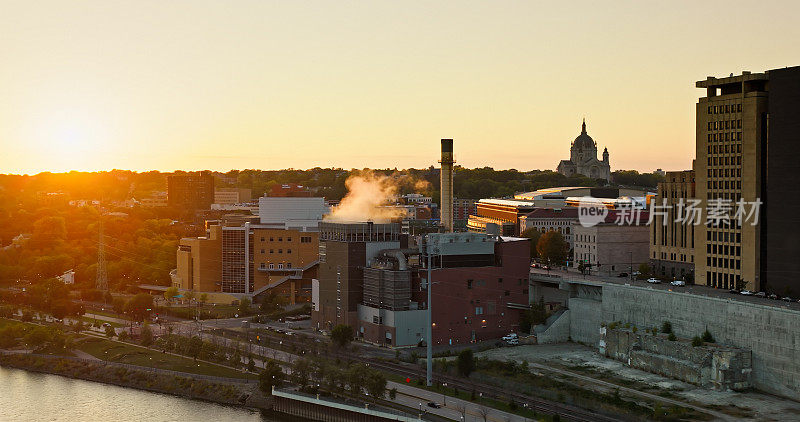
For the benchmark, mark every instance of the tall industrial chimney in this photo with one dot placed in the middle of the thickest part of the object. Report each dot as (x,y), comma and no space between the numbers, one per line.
(446,184)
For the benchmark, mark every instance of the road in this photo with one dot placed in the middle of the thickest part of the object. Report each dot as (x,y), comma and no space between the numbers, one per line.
(573,275)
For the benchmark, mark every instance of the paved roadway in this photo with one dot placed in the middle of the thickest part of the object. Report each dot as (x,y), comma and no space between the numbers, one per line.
(691,288)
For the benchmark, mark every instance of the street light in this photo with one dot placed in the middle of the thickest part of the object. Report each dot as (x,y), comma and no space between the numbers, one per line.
(444,395)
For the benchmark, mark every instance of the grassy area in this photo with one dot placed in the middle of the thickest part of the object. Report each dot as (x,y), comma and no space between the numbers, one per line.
(135,355)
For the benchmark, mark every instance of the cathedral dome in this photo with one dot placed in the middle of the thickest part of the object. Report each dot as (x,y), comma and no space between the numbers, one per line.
(584,141)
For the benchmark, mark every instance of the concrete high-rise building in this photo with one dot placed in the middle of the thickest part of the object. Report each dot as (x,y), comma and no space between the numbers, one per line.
(446,184)
(672,244)
(747,135)
(191,191)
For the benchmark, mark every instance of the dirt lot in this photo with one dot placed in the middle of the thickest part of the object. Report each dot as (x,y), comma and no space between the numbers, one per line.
(585,361)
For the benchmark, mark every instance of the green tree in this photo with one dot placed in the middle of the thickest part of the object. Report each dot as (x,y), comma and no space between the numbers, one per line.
(707,337)
(204,298)
(110,331)
(301,372)
(195,346)
(271,376)
(146,337)
(533,235)
(37,337)
(244,306)
(553,248)
(139,306)
(376,384)
(644,271)
(466,362)
(188,295)
(170,293)
(356,378)
(342,334)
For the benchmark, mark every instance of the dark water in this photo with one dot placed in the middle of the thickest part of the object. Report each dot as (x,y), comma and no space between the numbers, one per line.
(28,396)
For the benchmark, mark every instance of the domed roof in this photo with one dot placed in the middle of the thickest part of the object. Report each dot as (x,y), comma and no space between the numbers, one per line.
(584,141)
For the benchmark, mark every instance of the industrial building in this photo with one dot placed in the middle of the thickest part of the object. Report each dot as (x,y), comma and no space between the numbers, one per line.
(479,282)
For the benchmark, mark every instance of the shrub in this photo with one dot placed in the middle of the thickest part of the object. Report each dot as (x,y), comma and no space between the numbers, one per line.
(697,341)
(666,327)
(707,337)
(671,337)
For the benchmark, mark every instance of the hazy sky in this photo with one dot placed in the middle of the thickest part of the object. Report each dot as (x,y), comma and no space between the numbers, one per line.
(94,85)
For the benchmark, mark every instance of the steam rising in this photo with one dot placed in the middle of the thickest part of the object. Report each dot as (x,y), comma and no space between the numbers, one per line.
(368,197)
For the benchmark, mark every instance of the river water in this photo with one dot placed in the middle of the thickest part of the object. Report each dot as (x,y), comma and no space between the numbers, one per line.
(32,397)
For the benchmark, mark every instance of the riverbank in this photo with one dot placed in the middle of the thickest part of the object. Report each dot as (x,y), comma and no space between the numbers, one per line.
(228,392)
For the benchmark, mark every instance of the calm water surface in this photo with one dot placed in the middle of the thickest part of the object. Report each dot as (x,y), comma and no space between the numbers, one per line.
(28,396)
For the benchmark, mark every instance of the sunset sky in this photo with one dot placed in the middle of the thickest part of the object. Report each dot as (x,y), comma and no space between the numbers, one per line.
(96,85)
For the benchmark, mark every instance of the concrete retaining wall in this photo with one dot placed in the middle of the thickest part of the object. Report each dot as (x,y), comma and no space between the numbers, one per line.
(771,333)
(586,316)
(557,329)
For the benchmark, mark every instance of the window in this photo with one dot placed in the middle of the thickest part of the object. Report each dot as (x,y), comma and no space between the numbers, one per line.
(271,239)
(479,310)
(288,265)
(262,239)
(280,266)
(288,239)
(500,280)
(280,250)
(262,265)
(272,251)
(280,239)
(271,266)
(262,251)
(288,251)
(469,284)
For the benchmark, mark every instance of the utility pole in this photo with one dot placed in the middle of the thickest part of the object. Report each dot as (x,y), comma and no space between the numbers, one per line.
(101,280)
(429,373)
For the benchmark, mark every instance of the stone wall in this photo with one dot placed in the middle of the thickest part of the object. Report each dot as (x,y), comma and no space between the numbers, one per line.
(710,365)
(586,316)
(771,333)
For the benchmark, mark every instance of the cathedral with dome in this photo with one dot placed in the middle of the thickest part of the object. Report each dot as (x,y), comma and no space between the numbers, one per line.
(583,159)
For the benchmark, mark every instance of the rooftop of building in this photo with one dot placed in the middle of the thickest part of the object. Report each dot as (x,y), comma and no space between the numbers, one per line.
(566,212)
(712,81)
(544,193)
(507,202)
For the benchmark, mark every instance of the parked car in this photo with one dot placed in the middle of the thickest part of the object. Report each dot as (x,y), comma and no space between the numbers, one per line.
(622,275)
(512,336)
(773,296)
(787,299)
(653,280)
(105,324)
(678,283)
(733,291)
(636,273)
(512,342)
(434,405)
(746,292)
(760,294)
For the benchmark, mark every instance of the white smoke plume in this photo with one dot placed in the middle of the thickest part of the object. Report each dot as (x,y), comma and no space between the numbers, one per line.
(368,194)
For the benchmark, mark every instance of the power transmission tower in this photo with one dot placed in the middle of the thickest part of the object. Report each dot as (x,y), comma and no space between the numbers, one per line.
(102,275)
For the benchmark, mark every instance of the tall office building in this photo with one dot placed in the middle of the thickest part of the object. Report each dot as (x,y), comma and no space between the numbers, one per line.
(190,191)
(747,137)
(672,244)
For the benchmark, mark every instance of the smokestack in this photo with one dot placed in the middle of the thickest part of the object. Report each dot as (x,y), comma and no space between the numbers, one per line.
(446,184)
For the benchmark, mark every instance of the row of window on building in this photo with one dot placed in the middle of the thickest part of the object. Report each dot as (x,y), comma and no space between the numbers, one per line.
(723,249)
(728,136)
(725,124)
(727,108)
(273,266)
(722,280)
(288,251)
(303,239)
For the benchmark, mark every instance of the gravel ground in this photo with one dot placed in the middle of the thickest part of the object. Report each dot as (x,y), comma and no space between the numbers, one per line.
(763,407)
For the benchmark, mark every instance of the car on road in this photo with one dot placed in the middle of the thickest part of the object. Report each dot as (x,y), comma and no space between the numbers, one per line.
(105,324)
(512,342)
(746,292)
(512,336)
(653,280)
(636,273)
(678,283)
(787,299)
(773,296)
(760,294)
(434,405)
(622,275)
